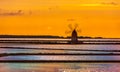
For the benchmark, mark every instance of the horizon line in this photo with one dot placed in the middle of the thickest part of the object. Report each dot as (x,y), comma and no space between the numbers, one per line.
(8,35)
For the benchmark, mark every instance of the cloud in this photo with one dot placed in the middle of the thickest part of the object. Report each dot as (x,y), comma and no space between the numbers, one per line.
(10,13)
(109,3)
(100,4)
(71,19)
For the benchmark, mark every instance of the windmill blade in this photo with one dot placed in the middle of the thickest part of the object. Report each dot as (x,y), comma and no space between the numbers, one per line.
(70,26)
(76,25)
(79,30)
(67,32)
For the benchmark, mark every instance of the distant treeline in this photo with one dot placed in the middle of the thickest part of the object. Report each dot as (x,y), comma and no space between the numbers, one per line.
(40,36)
(86,37)
(29,36)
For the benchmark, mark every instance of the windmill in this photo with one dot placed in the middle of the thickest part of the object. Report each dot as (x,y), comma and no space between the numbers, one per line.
(74,33)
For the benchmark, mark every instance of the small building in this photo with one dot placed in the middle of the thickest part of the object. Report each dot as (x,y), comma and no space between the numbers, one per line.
(74,38)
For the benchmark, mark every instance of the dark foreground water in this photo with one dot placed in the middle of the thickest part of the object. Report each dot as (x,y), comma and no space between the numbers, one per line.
(8,51)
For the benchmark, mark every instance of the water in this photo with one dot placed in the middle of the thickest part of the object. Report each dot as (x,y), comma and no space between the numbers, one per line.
(59,67)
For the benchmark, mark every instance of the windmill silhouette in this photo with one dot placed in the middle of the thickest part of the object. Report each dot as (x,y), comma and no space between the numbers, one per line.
(74,33)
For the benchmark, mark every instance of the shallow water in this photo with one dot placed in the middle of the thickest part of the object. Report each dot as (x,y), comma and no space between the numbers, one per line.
(59,67)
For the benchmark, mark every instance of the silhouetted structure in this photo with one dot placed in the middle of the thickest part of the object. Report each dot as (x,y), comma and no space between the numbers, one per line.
(74,38)
(73,31)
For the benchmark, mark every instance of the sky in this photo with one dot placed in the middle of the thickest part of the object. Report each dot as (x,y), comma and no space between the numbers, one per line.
(95,18)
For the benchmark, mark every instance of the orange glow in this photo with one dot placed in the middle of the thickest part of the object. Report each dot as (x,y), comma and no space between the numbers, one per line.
(51,17)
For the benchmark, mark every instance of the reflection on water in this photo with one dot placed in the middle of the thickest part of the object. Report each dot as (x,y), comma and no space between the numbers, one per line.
(55,57)
(58,67)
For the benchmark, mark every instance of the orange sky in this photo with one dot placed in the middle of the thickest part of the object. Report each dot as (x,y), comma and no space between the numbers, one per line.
(52,17)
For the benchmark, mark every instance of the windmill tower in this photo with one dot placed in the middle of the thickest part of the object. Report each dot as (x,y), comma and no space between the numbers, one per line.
(74,33)
(74,38)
